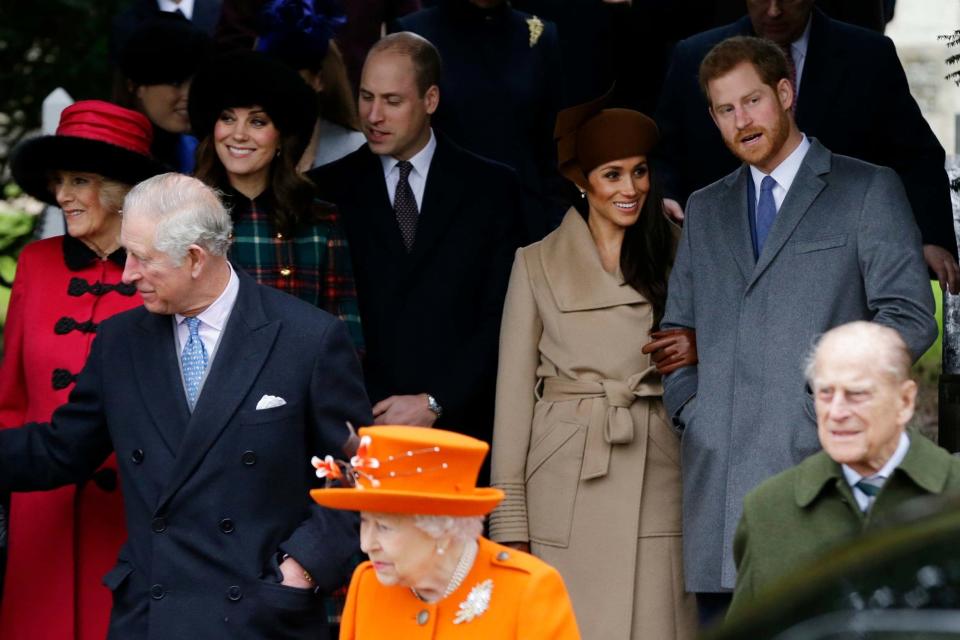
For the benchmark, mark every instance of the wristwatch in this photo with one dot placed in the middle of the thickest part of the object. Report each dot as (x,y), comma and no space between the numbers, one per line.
(434,406)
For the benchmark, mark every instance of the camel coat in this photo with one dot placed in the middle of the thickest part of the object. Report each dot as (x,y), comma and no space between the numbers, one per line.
(581,444)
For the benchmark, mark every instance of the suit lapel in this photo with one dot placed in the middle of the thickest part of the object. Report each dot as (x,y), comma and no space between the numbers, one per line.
(736,231)
(158,375)
(243,350)
(806,186)
(374,201)
(440,201)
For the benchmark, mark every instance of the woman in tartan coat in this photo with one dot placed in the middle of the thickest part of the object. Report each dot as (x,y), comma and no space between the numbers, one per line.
(254,116)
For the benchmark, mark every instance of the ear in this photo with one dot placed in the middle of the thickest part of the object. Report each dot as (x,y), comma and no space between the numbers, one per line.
(197,258)
(785,93)
(432,98)
(713,116)
(907,401)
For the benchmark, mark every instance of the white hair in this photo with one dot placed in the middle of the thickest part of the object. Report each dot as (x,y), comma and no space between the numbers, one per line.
(461,527)
(892,355)
(186,212)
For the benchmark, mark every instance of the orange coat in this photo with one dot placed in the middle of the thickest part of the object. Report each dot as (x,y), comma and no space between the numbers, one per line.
(528,602)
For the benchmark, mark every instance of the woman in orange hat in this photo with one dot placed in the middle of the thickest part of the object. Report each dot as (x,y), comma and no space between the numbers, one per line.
(431,574)
(62,542)
(582,447)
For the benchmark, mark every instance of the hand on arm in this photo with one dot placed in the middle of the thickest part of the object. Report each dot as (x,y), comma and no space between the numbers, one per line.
(672,349)
(673,210)
(406,410)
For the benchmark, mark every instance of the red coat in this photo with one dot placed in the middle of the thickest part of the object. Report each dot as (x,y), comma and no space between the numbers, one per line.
(61,542)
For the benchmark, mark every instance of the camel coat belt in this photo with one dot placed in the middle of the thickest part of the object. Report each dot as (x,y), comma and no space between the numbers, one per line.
(610,419)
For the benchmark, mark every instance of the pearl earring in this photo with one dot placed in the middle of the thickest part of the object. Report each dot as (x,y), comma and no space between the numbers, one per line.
(441,551)
(583,194)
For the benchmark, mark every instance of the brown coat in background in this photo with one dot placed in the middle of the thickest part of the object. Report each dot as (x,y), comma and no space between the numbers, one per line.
(590,467)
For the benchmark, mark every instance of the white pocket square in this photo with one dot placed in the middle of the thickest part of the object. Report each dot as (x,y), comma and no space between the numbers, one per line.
(269,402)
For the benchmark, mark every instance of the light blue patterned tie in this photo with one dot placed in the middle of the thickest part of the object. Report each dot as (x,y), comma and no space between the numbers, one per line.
(193,359)
(766,211)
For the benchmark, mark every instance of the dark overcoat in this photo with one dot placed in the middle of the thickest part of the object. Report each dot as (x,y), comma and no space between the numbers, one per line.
(211,497)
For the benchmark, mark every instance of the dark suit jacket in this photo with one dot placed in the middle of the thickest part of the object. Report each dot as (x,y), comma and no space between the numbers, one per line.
(499,96)
(794,518)
(211,497)
(206,15)
(853,97)
(431,318)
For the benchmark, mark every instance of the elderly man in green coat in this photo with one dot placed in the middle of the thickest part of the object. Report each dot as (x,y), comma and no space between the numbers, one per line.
(864,397)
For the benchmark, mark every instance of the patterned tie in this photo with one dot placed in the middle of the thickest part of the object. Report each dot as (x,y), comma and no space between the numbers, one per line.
(766,211)
(870,487)
(405,205)
(193,359)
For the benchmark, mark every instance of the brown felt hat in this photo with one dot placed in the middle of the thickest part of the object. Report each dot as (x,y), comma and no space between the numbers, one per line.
(590,134)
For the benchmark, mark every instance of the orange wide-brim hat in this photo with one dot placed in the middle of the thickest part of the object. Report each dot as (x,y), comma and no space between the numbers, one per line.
(415,471)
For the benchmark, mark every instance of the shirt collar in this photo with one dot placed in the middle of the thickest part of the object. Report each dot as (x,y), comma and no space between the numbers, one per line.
(184,6)
(421,161)
(903,446)
(786,171)
(216,314)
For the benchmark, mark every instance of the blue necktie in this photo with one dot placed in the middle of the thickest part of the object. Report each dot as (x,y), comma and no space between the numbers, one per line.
(405,205)
(766,211)
(193,359)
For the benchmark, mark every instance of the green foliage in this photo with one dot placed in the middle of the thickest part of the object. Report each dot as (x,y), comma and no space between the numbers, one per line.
(45,44)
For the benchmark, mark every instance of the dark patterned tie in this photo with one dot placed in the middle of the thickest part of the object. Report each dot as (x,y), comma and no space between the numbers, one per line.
(405,205)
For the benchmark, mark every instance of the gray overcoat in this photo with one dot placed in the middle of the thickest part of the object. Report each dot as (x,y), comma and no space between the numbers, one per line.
(844,247)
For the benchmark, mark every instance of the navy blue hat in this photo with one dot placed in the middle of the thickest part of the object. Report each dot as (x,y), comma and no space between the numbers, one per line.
(299,31)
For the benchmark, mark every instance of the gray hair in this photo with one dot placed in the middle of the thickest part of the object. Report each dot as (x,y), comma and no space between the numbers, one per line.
(893,356)
(186,212)
(461,527)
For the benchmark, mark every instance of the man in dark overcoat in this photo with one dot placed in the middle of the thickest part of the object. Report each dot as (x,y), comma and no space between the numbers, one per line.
(432,229)
(214,396)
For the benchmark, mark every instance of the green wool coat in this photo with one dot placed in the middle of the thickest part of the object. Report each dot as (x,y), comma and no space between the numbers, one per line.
(795,516)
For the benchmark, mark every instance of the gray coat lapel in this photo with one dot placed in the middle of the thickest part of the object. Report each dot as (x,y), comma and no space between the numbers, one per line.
(806,186)
(736,230)
(246,343)
(158,376)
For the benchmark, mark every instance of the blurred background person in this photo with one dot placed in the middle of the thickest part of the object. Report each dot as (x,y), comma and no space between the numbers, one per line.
(582,447)
(300,33)
(63,542)
(502,87)
(254,116)
(156,67)
(431,572)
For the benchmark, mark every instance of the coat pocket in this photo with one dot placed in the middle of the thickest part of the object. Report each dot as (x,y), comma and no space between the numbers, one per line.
(553,478)
(116,576)
(820,244)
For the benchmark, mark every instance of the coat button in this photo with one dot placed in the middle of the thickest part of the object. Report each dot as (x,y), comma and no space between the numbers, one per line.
(137,456)
(503,555)
(226,525)
(156,592)
(423,617)
(249,458)
(234,593)
(159,525)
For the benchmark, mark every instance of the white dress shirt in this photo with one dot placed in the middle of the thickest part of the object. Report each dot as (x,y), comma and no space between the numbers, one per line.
(784,174)
(418,175)
(183,6)
(852,477)
(213,319)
